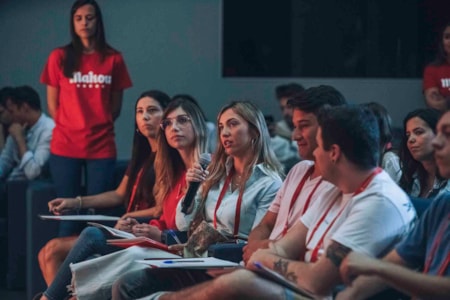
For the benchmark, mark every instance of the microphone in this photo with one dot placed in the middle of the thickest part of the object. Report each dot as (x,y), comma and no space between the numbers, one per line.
(204,160)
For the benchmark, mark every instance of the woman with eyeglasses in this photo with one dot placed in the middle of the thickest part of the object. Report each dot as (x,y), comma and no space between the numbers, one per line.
(85,80)
(180,143)
(135,191)
(238,187)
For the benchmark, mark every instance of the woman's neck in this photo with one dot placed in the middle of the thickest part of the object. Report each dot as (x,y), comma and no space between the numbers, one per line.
(153,144)
(239,165)
(430,167)
(88,45)
(187,157)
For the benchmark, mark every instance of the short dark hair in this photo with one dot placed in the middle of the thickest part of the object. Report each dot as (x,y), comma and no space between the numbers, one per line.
(26,94)
(313,99)
(5,93)
(288,90)
(384,121)
(355,130)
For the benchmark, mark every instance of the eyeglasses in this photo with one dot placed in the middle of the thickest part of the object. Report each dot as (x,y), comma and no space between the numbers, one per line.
(181,120)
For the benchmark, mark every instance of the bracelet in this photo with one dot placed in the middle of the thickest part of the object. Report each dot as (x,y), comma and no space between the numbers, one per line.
(81,201)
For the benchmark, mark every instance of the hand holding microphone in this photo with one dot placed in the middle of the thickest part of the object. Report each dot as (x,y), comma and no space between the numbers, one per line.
(195,176)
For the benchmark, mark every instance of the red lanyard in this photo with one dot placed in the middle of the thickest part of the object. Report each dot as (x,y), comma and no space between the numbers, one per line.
(436,243)
(237,216)
(297,193)
(133,192)
(315,252)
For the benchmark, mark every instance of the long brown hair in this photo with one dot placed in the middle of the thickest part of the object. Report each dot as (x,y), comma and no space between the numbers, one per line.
(74,50)
(261,148)
(169,165)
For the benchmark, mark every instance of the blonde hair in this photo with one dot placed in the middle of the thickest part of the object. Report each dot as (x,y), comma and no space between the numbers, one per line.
(169,165)
(260,146)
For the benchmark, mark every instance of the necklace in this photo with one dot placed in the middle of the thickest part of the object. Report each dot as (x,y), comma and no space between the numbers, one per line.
(236,181)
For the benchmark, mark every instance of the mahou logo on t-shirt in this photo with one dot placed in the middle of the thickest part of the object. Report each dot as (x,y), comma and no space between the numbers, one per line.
(90,80)
(445,82)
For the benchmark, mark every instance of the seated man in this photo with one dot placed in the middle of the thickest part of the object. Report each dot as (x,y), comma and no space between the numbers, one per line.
(303,185)
(419,265)
(283,128)
(5,117)
(283,93)
(369,214)
(27,147)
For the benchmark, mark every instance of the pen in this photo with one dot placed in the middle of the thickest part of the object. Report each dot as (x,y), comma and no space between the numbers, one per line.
(182,261)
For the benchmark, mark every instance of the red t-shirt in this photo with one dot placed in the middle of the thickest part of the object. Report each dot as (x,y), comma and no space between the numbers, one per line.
(84,125)
(167,219)
(437,76)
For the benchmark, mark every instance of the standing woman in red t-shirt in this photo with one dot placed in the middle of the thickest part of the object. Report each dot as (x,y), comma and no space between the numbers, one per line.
(436,77)
(85,81)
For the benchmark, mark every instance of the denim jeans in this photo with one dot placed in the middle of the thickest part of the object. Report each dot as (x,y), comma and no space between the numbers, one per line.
(141,283)
(91,241)
(67,173)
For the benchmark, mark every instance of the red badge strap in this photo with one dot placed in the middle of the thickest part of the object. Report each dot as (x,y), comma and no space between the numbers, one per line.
(434,248)
(133,192)
(315,252)
(297,193)
(237,216)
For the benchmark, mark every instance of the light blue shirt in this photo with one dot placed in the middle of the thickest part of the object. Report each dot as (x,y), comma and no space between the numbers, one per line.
(260,191)
(30,165)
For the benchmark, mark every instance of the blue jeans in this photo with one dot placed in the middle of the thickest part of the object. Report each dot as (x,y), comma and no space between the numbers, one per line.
(67,176)
(91,241)
(141,283)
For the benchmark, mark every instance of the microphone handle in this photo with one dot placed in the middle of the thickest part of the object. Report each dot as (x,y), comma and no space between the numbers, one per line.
(189,197)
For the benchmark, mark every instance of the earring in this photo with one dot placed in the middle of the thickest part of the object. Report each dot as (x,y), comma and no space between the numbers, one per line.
(253,141)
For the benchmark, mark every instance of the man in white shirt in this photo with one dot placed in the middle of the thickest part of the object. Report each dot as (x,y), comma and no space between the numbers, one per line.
(286,210)
(27,147)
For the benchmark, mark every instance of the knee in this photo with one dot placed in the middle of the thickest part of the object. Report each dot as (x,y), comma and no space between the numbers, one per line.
(238,280)
(91,233)
(54,249)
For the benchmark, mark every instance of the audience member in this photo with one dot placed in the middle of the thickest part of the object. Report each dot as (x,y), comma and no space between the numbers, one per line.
(436,76)
(285,150)
(26,150)
(5,117)
(284,127)
(369,215)
(303,184)
(420,176)
(239,187)
(419,265)
(283,93)
(85,81)
(389,160)
(135,191)
(180,145)
(211,131)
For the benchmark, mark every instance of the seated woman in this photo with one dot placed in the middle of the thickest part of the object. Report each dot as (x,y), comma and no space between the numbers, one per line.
(134,191)
(180,145)
(241,182)
(389,160)
(420,176)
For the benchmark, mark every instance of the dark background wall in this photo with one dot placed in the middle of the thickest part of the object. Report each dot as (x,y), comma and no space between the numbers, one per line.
(172,45)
